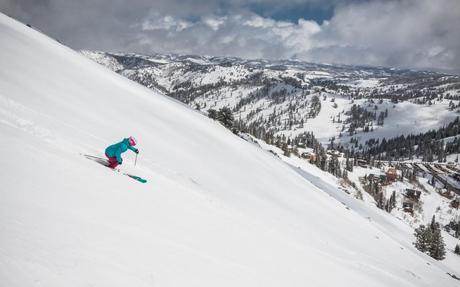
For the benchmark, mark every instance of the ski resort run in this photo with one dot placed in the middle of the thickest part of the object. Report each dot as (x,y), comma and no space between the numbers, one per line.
(217,210)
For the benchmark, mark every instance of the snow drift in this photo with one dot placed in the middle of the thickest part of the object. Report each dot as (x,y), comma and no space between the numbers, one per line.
(217,210)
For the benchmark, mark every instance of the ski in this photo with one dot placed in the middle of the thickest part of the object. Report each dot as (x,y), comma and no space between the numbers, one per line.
(105,163)
(135,177)
(97,159)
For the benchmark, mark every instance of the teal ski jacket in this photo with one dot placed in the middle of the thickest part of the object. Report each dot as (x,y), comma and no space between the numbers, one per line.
(117,149)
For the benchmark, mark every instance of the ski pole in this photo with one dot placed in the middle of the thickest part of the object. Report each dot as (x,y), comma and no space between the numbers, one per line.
(135,160)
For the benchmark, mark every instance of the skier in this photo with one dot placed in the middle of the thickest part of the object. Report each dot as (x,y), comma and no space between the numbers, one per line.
(113,152)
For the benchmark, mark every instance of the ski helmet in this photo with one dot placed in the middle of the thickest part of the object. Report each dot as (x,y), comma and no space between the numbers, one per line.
(132,141)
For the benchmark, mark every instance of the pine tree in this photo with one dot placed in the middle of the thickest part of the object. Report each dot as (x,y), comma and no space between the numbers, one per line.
(225,116)
(212,114)
(433,223)
(285,149)
(437,246)
(422,238)
(429,240)
(392,202)
(380,201)
(457,249)
(457,231)
(437,250)
(348,163)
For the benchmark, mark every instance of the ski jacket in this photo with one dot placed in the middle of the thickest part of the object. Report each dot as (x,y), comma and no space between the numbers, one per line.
(117,149)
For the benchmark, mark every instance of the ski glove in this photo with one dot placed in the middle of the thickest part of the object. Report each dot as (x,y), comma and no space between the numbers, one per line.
(120,161)
(136,151)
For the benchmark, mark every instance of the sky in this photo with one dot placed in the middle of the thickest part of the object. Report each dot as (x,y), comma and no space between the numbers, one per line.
(419,34)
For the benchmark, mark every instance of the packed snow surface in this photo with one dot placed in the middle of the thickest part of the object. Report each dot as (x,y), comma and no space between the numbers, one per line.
(216,211)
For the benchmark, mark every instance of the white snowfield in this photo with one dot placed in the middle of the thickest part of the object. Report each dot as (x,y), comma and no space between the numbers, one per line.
(216,211)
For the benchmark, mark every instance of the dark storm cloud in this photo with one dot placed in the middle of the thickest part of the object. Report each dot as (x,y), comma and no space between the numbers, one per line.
(403,33)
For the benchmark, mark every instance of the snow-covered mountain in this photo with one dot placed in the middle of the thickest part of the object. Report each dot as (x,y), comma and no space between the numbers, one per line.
(291,97)
(357,107)
(217,210)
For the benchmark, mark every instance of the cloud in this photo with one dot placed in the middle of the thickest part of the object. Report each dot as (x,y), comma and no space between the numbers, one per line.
(407,33)
(244,35)
(400,33)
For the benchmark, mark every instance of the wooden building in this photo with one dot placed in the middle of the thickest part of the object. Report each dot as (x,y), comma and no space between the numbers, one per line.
(412,194)
(391,174)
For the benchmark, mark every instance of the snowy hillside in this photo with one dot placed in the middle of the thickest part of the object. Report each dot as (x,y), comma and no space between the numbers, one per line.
(291,97)
(216,211)
(360,112)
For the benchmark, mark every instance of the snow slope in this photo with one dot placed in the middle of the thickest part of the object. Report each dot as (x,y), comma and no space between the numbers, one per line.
(217,210)
(277,95)
(404,118)
(431,203)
